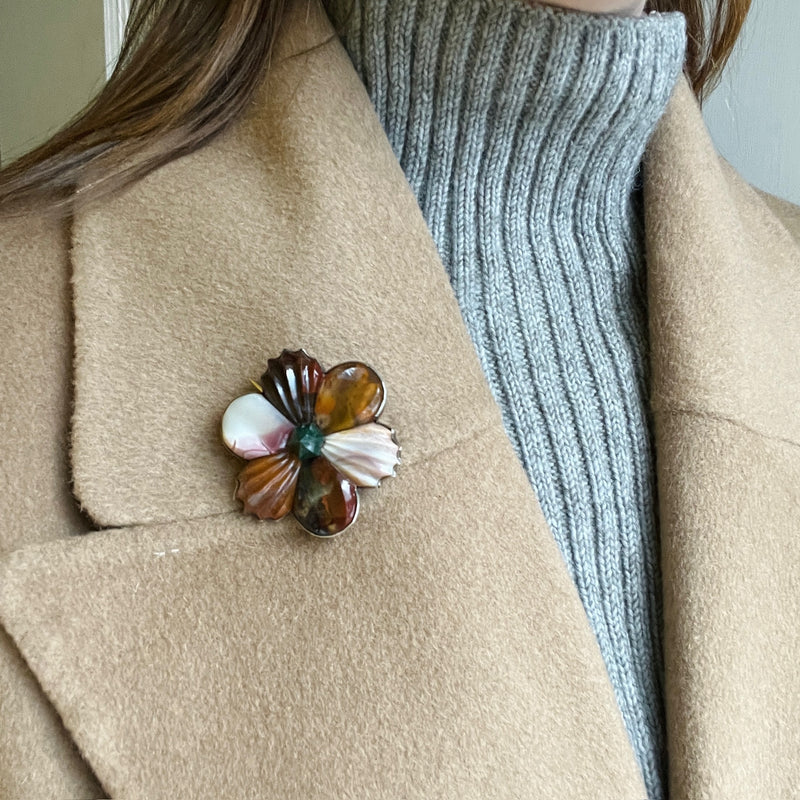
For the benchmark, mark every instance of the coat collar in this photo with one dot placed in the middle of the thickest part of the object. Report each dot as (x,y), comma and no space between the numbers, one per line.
(297,228)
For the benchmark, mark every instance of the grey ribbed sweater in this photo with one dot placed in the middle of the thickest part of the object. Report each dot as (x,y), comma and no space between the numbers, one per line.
(521,130)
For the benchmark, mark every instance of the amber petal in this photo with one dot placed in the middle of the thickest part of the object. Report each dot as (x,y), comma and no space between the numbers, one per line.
(291,383)
(267,485)
(351,394)
(364,454)
(325,502)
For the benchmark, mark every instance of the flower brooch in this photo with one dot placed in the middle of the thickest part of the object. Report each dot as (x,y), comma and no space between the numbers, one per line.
(310,439)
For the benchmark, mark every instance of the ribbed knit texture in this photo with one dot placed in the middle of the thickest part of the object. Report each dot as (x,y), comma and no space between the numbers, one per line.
(521,130)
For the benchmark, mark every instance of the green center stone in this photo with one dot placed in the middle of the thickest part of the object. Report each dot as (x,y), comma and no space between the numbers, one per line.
(306,441)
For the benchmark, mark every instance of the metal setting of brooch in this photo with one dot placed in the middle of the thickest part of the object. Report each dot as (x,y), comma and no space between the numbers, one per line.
(310,438)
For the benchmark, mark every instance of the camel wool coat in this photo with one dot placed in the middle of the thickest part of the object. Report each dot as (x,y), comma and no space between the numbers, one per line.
(156,642)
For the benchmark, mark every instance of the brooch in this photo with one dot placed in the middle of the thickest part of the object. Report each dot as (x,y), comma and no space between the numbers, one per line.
(310,438)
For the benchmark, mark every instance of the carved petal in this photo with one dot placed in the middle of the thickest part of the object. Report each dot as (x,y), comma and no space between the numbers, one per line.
(252,427)
(291,383)
(267,485)
(351,394)
(364,454)
(325,502)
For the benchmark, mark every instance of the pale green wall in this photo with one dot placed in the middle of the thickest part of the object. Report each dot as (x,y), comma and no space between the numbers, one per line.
(754,115)
(51,63)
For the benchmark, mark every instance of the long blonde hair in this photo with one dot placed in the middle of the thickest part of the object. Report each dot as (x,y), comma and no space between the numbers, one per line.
(187,70)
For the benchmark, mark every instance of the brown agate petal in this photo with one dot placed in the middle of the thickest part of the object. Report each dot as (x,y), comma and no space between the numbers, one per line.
(351,394)
(267,485)
(325,502)
(291,383)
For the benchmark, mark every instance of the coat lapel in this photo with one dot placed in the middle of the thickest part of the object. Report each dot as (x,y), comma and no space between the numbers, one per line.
(724,286)
(297,229)
(438,648)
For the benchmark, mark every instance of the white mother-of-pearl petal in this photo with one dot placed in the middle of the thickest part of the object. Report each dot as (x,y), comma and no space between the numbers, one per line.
(364,454)
(252,427)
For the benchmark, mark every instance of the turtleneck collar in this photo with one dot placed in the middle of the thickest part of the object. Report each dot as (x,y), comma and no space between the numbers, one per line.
(571,98)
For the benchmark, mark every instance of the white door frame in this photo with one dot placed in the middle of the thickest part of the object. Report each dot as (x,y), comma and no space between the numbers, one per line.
(115,15)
